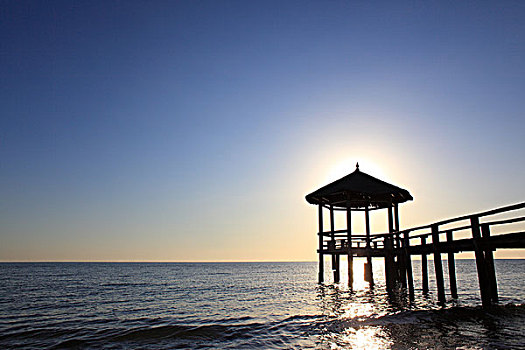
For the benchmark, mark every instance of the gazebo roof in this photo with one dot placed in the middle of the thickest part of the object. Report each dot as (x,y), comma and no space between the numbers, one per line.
(359,190)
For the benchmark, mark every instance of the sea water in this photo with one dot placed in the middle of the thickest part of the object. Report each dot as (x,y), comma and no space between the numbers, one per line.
(249,305)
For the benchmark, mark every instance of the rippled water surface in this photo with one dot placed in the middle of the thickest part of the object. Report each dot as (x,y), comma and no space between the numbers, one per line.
(247,305)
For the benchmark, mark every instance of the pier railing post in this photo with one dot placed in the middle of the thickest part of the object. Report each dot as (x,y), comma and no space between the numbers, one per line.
(438,266)
(452,268)
(484,285)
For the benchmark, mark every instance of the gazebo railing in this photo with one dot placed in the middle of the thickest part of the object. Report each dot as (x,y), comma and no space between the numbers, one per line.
(341,244)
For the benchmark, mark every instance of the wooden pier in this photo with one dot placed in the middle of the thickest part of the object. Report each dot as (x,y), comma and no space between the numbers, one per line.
(480,233)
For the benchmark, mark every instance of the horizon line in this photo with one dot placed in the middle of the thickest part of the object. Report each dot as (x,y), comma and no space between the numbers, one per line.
(200,261)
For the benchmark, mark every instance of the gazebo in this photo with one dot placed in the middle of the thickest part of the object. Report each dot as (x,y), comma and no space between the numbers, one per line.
(359,191)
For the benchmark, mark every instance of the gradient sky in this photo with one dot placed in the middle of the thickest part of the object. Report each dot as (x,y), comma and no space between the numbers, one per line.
(192,130)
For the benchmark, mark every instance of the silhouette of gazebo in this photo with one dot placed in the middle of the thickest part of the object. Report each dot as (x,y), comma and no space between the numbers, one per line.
(357,191)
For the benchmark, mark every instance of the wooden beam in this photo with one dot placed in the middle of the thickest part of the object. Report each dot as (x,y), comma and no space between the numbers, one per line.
(396,224)
(400,244)
(349,239)
(424,267)
(321,256)
(367,227)
(438,266)
(452,268)
(408,261)
(390,273)
(486,213)
(484,285)
(489,262)
(337,273)
(335,258)
(369,270)
(389,264)
(515,240)
(332,223)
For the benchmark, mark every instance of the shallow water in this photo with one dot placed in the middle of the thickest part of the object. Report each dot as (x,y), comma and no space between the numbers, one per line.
(247,305)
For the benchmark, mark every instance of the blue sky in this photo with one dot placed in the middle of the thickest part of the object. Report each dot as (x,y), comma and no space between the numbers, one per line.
(192,130)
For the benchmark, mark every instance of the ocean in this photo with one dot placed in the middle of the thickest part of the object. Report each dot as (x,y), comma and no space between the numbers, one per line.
(248,306)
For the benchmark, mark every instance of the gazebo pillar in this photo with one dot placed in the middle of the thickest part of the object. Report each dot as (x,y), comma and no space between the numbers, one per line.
(335,257)
(349,240)
(321,255)
(369,275)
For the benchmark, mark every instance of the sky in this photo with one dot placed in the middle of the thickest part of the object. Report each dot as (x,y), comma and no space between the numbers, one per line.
(192,130)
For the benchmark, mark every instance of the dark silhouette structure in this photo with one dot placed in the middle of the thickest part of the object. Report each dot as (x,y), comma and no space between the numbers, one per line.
(361,192)
(357,191)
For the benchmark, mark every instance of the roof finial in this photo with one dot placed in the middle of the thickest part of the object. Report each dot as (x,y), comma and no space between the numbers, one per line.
(357,166)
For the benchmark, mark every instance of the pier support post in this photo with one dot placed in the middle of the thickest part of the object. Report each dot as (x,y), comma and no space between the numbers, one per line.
(350,269)
(369,274)
(321,256)
(408,260)
(401,261)
(349,239)
(438,266)
(389,264)
(401,264)
(424,267)
(452,268)
(489,262)
(337,275)
(484,285)
(335,257)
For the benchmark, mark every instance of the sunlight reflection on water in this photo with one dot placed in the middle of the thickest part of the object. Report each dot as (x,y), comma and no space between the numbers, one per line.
(365,338)
(369,317)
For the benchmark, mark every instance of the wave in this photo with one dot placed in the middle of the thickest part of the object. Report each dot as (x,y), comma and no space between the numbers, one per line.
(454,313)
(454,325)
